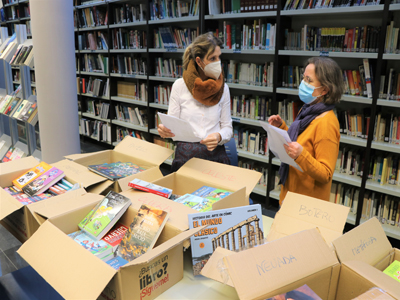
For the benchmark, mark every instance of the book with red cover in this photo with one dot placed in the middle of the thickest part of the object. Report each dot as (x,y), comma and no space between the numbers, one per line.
(115,235)
(150,187)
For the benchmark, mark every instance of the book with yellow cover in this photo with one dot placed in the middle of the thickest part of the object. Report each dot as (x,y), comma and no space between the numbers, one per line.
(30,175)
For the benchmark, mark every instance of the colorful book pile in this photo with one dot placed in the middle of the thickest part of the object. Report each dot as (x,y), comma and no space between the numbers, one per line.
(150,187)
(117,170)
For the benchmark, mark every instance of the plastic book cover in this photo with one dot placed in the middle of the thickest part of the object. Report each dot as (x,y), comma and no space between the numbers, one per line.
(211,193)
(303,292)
(198,203)
(104,215)
(115,171)
(150,187)
(142,233)
(117,262)
(29,176)
(115,235)
(99,248)
(393,270)
(235,229)
(43,182)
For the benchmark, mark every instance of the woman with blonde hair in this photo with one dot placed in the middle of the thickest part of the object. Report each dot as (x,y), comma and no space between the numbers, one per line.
(202,98)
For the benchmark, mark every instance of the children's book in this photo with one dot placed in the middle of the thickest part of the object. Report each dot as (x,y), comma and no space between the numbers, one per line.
(211,193)
(198,203)
(30,175)
(115,171)
(117,262)
(104,215)
(235,229)
(142,233)
(115,235)
(43,182)
(393,270)
(150,187)
(303,292)
(24,198)
(99,248)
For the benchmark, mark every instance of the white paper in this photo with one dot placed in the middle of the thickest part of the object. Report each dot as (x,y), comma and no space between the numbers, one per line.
(276,139)
(182,129)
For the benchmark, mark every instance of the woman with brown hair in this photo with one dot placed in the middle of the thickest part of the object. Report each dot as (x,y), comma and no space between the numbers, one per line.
(314,133)
(202,98)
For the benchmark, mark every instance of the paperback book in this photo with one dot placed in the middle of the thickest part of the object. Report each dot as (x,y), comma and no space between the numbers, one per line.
(115,235)
(43,182)
(150,187)
(142,233)
(235,229)
(30,175)
(115,171)
(104,215)
(211,193)
(393,270)
(198,203)
(117,262)
(99,248)
(24,198)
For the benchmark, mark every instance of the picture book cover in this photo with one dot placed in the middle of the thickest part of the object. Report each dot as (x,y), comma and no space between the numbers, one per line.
(211,193)
(30,175)
(234,229)
(115,235)
(117,262)
(198,203)
(99,248)
(142,233)
(150,187)
(104,215)
(115,171)
(302,293)
(393,270)
(24,198)
(43,182)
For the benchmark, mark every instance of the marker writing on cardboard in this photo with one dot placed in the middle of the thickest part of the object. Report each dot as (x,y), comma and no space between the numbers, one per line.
(315,213)
(278,262)
(218,175)
(155,204)
(71,170)
(363,245)
(135,147)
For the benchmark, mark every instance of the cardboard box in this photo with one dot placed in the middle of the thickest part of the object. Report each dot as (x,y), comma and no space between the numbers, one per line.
(365,252)
(77,274)
(22,220)
(281,266)
(130,149)
(198,172)
(374,294)
(299,212)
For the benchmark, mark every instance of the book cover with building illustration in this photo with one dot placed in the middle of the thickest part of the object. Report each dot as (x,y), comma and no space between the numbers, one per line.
(234,229)
(115,171)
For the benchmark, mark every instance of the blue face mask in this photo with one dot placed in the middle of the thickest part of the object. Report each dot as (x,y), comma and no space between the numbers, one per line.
(305,92)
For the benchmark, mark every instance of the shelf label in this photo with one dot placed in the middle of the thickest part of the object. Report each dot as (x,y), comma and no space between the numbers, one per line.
(172,49)
(237,50)
(235,119)
(324,53)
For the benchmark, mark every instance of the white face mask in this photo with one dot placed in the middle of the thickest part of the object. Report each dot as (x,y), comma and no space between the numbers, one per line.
(213,69)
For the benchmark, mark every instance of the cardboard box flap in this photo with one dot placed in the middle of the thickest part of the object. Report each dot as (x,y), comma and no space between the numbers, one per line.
(176,211)
(376,277)
(150,175)
(165,246)
(278,263)
(63,263)
(366,242)
(299,212)
(64,203)
(7,204)
(149,152)
(213,268)
(78,156)
(15,168)
(78,172)
(220,175)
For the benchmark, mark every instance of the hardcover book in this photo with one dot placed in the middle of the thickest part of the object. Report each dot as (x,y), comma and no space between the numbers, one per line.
(115,171)
(198,203)
(30,175)
(104,215)
(142,233)
(43,182)
(235,229)
(150,187)
(99,248)
(393,270)
(115,235)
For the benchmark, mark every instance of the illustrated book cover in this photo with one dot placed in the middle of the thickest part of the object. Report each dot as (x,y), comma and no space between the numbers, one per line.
(24,198)
(142,233)
(104,215)
(211,193)
(43,182)
(30,175)
(117,262)
(99,248)
(115,171)
(115,235)
(234,229)
(393,270)
(198,203)
(150,187)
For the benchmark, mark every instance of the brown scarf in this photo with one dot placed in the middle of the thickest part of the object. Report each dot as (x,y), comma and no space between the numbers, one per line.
(207,92)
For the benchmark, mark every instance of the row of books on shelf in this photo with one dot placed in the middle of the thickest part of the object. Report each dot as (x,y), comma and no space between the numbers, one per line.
(95,129)
(249,73)
(10,153)
(253,165)
(288,110)
(91,17)
(122,132)
(127,13)
(392,42)
(22,56)
(131,114)
(16,107)
(389,88)
(333,39)
(94,63)
(132,90)
(384,207)
(162,94)
(309,4)
(250,140)
(164,9)
(251,107)
(168,67)
(128,38)
(15,13)
(95,86)
(93,41)
(216,7)
(100,109)
(128,64)
(346,195)
(169,37)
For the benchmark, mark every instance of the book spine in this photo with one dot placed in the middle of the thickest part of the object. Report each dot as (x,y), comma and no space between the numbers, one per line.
(145,189)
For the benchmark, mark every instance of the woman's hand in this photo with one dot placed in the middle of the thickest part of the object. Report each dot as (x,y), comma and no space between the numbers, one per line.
(275,120)
(211,141)
(293,149)
(164,132)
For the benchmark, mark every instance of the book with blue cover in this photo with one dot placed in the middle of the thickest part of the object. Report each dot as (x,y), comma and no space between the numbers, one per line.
(117,170)
(198,203)
(211,193)
(99,248)
(117,262)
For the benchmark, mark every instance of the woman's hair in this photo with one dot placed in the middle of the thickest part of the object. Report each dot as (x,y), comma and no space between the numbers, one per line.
(202,46)
(330,76)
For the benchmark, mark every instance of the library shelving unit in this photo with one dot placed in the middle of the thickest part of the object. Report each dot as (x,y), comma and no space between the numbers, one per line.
(16,12)
(276,92)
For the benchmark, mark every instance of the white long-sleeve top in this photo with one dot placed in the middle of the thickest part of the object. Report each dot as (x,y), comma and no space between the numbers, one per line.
(204,119)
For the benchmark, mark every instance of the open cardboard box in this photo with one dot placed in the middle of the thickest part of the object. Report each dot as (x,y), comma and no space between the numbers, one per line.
(279,266)
(147,155)
(22,220)
(198,172)
(77,274)
(364,253)
(299,212)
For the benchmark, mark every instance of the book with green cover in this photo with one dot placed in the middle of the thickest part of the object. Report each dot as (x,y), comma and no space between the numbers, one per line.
(117,170)
(393,270)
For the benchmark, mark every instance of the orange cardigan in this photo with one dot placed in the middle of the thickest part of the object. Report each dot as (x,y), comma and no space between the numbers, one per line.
(320,143)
